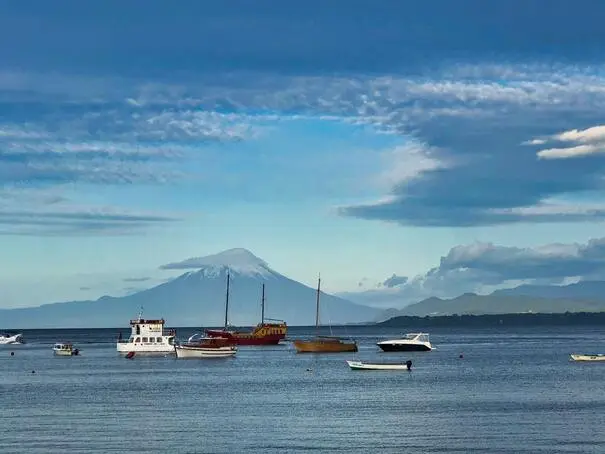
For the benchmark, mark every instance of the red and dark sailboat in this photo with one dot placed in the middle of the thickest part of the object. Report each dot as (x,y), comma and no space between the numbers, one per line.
(265,333)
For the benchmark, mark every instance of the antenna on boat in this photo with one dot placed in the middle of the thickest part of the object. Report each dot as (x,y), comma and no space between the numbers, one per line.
(317,304)
(262,306)
(141,313)
(227,301)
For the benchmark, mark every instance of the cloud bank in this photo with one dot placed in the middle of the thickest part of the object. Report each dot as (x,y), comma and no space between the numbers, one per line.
(484,267)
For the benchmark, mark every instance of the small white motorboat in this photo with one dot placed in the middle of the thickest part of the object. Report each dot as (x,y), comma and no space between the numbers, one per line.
(411,342)
(65,349)
(598,357)
(199,347)
(359,365)
(6,339)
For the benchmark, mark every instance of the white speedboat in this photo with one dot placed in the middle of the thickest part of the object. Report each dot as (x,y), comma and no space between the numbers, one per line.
(359,365)
(598,357)
(147,337)
(199,347)
(11,339)
(65,349)
(411,342)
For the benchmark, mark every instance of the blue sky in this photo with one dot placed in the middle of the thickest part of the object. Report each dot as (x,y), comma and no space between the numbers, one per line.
(434,142)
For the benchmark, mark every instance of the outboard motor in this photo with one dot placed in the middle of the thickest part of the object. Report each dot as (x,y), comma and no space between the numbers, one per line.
(408,364)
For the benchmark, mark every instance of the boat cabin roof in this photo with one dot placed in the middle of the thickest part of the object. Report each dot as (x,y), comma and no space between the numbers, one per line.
(63,344)
(142,321)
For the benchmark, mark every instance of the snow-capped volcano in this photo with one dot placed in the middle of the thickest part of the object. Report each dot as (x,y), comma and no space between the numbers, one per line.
(197,298)
(238,260)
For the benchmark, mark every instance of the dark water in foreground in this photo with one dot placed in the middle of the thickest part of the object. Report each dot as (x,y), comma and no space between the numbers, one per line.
(513,392)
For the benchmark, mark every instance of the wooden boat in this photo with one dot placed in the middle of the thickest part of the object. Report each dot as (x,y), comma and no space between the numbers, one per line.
(598,357)
(359,365)
(205,347)
(324,344)
(262,334)
(65,349)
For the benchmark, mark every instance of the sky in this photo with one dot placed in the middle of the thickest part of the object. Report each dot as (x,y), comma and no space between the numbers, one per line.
(403,149)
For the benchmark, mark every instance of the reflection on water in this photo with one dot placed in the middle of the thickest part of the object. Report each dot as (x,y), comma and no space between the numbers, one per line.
(511,392)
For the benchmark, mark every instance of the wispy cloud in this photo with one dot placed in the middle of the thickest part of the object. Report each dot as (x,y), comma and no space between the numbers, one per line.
(462,130)
(136,279)
(43,212)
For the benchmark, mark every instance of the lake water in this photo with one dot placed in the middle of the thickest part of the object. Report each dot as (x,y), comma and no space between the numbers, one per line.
(514,391)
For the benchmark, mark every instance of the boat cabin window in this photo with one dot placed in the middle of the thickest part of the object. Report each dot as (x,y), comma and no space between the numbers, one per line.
(138,339)
(144,339)
(138,329)
(159,340)
(131,340)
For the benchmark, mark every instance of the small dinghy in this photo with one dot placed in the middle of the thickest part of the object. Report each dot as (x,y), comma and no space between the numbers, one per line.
(599,357)
(358,365)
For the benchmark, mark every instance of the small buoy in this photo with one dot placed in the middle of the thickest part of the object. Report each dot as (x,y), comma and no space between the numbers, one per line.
(12,353)
(33,371)
(461,356)
(408,364)
(309,369)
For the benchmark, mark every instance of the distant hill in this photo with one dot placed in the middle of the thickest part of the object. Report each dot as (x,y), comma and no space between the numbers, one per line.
(585,290)
(197,298)
(470,303)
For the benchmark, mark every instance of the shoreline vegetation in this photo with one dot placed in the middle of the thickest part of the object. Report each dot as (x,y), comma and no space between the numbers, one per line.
(493,320)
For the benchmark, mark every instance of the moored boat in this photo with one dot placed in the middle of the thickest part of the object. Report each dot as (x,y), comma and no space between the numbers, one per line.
(262,334)
(597,357)
(359,365)
(411,342)
(7,338)
(148,337)
(198,347)
(65,349)
(324,344)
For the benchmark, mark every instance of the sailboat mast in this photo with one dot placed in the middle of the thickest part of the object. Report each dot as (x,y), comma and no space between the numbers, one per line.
(262,306)
(227,301)
(317,305)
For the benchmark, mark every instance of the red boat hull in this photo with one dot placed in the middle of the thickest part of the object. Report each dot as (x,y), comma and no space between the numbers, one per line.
(261,335)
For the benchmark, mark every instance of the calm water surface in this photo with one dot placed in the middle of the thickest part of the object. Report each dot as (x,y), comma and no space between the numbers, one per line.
(514,391)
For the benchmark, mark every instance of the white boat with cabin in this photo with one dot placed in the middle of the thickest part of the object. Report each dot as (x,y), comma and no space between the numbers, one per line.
(148,337)
(199,347)
(597,357)
(411,342)
(6,338)
(65,349)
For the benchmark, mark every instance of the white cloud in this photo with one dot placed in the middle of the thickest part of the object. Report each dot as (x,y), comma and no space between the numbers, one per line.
(588,142)
(593,134)
(410,161)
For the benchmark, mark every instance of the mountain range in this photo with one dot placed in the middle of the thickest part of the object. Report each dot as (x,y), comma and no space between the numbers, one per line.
(585,296)
(197,298)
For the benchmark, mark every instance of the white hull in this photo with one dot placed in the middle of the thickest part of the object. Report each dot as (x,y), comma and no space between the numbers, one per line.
(358,365)
(6,340)
(187,352)
(599,357)
(63,353)
(147,349)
